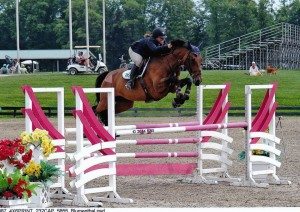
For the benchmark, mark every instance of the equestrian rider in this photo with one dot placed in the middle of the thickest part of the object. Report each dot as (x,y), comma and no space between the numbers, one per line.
(144,48)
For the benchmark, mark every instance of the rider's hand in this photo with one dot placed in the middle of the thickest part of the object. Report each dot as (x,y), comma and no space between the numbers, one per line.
(169,45)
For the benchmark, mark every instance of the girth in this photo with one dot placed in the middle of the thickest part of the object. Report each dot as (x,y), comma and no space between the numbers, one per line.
(149,97)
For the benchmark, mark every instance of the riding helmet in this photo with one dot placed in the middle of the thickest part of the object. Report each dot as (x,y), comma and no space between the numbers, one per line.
(158,32)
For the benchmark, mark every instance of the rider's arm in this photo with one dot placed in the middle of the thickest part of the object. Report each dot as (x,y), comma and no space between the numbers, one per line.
(156,50)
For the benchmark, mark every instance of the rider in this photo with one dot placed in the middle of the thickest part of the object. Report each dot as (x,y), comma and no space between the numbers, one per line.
(144,48)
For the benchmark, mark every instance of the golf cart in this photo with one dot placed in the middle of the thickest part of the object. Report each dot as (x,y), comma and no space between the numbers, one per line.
(97,66)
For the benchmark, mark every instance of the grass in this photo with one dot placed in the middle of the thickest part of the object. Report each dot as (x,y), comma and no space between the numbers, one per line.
(288,92)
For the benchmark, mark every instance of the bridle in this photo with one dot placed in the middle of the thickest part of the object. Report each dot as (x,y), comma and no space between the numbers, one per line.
(186,61)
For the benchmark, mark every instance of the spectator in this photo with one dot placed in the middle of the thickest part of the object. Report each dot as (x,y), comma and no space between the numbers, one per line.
(253,70)
(3,69)
(81,60)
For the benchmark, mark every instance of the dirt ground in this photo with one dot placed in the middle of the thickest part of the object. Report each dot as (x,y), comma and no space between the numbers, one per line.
(168,191)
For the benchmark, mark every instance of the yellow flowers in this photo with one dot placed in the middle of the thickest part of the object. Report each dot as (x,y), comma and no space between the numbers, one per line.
(33,169)
(38,138)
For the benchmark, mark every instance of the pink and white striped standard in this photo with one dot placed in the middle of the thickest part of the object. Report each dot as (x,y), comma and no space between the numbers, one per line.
(183,128)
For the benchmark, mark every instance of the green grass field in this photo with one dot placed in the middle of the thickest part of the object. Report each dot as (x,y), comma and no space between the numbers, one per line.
(288,93)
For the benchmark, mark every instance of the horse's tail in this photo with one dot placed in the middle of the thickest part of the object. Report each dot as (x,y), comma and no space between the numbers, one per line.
(98,83)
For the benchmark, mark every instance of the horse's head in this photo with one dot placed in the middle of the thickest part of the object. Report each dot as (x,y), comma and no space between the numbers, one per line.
(190,57)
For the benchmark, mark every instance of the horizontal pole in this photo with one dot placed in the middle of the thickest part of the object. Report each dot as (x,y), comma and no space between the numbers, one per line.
(98,90)
(41,90)
(183,129)
(158,155)
(159,141)
(144,126)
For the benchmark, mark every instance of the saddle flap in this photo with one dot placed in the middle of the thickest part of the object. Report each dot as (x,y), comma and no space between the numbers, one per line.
(126,74)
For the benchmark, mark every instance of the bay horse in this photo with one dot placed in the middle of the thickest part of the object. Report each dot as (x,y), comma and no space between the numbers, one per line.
(161,77)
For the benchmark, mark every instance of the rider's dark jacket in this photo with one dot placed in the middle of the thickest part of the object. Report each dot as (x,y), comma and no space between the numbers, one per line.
(149,47)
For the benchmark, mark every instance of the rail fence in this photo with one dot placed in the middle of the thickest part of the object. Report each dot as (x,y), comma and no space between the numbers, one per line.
(146,112)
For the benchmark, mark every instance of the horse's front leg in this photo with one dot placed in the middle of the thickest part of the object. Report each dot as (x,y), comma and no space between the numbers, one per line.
(188,82)
(182,97)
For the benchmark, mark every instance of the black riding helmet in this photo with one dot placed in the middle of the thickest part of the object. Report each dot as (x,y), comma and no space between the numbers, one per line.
(158,32)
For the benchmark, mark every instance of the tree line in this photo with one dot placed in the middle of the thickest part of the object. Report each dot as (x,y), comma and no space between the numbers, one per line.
(44,24)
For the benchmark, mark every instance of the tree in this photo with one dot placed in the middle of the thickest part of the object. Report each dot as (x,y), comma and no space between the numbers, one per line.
(178,18)
(230,18)
(283,12)
(37,21)
(265,13)
(294,15)
(7,24)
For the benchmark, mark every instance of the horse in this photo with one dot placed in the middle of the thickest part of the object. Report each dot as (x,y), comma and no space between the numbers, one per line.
(161,77)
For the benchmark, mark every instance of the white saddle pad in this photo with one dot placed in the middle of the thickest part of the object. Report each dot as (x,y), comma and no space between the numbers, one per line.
(126,74)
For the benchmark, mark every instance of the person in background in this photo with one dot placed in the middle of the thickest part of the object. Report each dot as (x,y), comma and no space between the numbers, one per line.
(148,46)
(81,60)
(253,70)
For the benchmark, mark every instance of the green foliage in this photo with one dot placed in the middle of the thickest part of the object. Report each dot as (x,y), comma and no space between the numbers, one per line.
(288,92)
(259,152)
(48,173)
(44,24)
(16,184)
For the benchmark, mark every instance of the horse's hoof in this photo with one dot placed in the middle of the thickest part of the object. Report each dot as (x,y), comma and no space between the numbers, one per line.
(174,104)
(179,95)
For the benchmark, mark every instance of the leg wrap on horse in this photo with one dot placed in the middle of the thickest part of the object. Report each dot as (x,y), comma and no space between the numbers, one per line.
(133,74)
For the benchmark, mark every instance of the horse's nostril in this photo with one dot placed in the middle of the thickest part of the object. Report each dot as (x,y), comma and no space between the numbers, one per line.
(197,80)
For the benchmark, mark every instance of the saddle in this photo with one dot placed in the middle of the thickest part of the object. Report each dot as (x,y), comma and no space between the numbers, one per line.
(126,74)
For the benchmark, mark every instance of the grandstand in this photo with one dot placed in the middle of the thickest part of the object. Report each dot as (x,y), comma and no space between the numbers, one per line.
(277,45)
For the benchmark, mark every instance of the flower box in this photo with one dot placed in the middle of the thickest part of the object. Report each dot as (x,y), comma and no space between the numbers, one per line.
(42,197)
(14,203)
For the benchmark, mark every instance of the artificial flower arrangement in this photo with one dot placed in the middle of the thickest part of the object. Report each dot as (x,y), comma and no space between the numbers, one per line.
(13,158)
(21,166)
(43,172)
(15,185)
(40,170)
(38,139)
(15,153)
(258,152)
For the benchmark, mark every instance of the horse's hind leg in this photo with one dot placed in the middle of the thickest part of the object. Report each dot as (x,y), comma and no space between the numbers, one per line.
(104,117)
(122,104)
(101,109)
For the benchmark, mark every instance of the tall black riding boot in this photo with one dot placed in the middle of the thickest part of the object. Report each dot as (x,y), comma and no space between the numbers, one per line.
(133,74)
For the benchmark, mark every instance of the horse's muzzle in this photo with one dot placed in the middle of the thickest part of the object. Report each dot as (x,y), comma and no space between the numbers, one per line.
(197,80)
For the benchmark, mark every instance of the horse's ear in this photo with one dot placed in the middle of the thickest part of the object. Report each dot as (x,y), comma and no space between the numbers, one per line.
(189,45)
